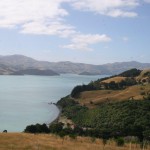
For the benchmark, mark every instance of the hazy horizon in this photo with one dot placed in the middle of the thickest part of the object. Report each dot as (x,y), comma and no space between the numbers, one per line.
(70,61)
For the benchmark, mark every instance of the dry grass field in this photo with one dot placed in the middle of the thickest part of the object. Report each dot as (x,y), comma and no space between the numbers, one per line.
(90,98)
(22,141)
(115,79)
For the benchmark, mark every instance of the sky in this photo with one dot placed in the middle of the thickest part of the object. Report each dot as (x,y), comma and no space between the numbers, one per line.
(86,31)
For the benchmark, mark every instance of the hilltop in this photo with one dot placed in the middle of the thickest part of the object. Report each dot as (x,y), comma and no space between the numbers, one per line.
(14,63)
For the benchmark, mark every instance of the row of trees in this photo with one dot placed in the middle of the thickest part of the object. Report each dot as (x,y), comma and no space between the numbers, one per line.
(120,85)
(99,85)
(81,88)
(58,129)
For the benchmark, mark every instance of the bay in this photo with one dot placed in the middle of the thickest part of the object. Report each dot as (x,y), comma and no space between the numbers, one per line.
(24,100)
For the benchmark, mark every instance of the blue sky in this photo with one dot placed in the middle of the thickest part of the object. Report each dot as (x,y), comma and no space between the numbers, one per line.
(87,31)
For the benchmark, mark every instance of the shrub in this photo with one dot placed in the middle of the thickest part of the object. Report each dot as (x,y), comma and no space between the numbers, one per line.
(38,128)
(73,136)
(120,141)
(56,127)
(104,141)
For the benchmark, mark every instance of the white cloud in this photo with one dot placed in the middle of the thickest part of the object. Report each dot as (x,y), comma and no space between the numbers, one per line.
(79,46)
(113,8)
(118,13)
(53,28)
(35,16)
(82,42)
(48,17)
(90,39)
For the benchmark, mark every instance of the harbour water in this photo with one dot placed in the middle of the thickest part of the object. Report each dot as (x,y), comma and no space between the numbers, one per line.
(24,100)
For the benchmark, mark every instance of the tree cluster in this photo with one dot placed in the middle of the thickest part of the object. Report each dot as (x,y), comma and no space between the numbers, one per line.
(131,73)
(99,85)
(38,128)
(120,85)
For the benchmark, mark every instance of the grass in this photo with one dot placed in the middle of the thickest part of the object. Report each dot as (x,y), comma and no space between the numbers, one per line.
(22,141)
(90,98)
(115,79)
(141,76)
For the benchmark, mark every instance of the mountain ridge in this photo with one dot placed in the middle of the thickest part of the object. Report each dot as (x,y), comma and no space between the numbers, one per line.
(20,62)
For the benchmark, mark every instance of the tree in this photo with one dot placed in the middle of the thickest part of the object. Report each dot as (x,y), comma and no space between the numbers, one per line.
(120,141)
(56,127)
(31,129)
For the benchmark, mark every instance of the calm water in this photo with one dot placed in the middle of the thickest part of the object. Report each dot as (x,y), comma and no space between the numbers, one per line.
(24,99)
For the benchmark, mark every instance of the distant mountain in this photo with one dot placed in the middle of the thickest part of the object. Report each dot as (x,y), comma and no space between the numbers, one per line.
(35,72)
(13,63)
(119,67)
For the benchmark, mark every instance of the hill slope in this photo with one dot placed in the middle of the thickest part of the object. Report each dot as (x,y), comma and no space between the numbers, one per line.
(93,98)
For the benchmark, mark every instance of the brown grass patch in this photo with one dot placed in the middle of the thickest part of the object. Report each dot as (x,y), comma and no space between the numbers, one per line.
(141,76)
(91,98)
(115,79)
(22,141)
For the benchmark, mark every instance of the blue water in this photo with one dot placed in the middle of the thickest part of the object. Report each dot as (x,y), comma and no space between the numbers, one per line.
(24,99)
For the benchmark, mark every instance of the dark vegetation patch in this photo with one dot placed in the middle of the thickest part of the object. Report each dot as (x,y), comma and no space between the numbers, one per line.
(127,118)
(131,73)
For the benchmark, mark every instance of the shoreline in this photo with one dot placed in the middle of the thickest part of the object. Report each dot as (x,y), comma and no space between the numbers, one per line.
(59,114)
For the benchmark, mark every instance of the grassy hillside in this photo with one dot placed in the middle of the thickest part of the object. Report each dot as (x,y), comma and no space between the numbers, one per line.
(22,141)
(129,85)
(92,98)
(113,106)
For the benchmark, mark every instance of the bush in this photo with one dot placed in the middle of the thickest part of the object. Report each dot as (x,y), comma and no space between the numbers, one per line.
(104,141)
(73,136)
(56,127)
(120,141)
(38,128)
(62,134)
